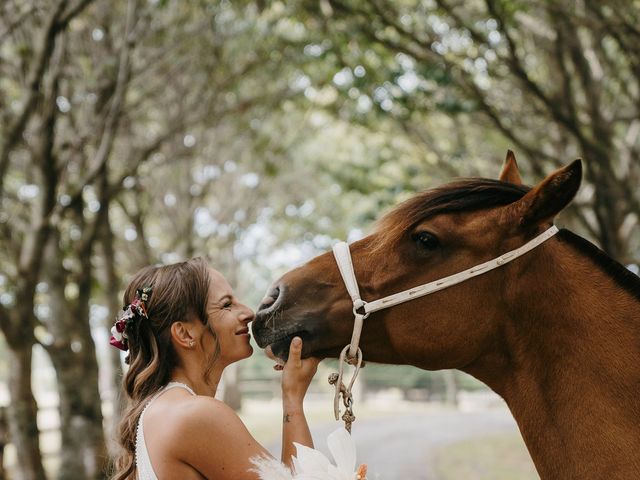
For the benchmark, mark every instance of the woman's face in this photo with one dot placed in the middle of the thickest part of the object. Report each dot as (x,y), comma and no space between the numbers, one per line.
(229,319)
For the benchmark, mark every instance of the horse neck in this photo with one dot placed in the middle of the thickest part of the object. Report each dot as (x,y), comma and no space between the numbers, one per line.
(569,367)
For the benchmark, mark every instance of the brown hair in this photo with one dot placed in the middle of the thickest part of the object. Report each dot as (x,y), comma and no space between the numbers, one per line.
(180,293)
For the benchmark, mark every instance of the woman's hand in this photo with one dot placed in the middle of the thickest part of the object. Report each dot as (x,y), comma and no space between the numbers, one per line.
(296,377)
(297,373)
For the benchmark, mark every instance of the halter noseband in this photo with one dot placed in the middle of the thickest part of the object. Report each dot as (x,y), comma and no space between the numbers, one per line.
(362,309)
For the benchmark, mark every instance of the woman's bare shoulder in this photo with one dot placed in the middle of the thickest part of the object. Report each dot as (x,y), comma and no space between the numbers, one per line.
(204,413)
(208,435)
(199,433)
(194,414)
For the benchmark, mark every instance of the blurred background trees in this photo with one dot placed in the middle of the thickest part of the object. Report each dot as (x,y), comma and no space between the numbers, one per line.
(257,133)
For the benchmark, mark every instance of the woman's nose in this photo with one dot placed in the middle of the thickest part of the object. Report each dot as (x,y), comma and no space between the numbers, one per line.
(247,314)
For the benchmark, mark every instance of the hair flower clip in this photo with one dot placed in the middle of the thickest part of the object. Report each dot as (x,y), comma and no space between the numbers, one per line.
(134,311)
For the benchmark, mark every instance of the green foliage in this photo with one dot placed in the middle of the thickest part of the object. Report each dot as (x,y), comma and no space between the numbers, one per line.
(540,75)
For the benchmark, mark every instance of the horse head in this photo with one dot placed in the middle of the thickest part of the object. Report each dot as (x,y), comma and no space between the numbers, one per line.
(555,331)
(433,235)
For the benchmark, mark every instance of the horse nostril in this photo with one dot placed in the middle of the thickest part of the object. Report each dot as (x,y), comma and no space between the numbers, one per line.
(270,298)
(274,293)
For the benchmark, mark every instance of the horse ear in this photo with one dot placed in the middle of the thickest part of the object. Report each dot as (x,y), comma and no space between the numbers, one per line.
(544,201)
(510,171)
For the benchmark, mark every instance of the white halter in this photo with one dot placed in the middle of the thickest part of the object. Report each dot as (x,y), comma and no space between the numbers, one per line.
(343,259)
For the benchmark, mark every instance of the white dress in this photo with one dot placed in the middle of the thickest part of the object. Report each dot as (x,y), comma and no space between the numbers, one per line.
(143,462)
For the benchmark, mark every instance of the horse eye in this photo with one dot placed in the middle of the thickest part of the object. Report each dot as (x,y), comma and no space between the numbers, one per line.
(427,240)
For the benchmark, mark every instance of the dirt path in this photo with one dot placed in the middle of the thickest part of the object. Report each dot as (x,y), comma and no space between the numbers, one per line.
(401,446)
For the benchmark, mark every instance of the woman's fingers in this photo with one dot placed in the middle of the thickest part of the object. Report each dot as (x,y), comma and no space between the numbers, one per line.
(295,352)
(297,373)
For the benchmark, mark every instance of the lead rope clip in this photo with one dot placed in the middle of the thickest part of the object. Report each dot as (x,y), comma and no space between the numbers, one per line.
(342,391)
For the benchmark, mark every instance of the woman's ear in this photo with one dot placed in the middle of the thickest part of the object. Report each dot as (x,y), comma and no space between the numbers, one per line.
(544,201)
(182,335)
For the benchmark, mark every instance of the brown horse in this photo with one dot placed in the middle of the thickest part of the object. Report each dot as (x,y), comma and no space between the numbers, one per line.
(555,332)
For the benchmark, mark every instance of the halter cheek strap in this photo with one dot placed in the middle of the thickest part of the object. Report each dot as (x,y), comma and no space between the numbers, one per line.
(345,265)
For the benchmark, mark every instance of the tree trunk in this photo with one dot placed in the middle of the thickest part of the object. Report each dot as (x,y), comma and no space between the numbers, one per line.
(4,439)
(610,202)
(90,409)
(22,413)
(114,365)
(83,453)
(83,400)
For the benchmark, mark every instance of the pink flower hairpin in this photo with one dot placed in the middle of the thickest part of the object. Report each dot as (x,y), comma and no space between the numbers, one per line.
(134,311)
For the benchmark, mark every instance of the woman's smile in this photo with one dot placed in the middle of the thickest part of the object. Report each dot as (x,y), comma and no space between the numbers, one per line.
(244,332)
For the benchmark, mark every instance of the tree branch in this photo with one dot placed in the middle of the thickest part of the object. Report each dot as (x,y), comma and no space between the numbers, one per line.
(31,254)
(518,69)
(113,115)
(17,22)
(73,11)
(56,23)
(34,78)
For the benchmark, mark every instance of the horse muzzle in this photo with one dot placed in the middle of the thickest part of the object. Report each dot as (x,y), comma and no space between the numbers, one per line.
(305,307)
(273,326)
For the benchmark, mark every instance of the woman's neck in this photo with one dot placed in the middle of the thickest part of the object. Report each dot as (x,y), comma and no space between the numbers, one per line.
(196,380)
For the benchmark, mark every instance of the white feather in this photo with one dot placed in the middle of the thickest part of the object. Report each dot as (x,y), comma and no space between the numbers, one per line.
(313,476)
(308,460)
(343,449)
(270,469)
(310,464)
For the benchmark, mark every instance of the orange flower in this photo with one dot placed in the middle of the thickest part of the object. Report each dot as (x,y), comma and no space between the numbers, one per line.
(361,473)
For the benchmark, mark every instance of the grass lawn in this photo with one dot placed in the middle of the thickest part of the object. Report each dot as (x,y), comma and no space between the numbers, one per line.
(498,457)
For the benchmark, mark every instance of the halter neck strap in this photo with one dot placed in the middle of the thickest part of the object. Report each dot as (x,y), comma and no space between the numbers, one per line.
(459,277)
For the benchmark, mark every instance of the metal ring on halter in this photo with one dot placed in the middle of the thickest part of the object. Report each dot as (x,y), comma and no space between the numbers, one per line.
(356,308)
(358,321)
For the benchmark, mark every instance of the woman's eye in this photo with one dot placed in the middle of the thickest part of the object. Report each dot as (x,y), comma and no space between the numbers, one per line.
(427,240)
(227,305)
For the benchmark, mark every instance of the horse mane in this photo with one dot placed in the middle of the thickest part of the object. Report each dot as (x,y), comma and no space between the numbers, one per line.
(624,277)
(476,194)
(460,196)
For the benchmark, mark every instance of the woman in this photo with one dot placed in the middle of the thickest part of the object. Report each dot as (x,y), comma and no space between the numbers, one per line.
(182,326)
